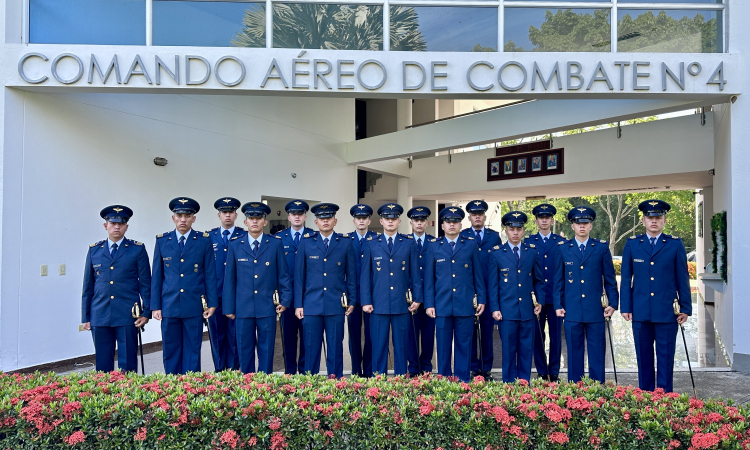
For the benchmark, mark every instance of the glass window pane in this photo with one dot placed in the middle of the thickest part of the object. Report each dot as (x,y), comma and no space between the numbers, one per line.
(209,23)
(566,30)
(335,27)
(673,1)
(443,29)
(105,22)
(671,31)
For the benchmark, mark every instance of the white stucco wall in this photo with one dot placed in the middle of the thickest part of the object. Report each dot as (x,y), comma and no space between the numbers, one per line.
(68,155)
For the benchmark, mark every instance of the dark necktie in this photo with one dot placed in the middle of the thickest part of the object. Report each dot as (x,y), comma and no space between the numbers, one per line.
(653,244)
(325,242)
(479,235)
(113,252)
(390,244)
(255,248)
(583,249)
(518,255)
(545,240)
(453,246)
(225,237)
(419,245)
(296,238)
(182,244)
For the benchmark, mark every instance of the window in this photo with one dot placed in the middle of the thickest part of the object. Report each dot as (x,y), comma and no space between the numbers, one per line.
(209,23)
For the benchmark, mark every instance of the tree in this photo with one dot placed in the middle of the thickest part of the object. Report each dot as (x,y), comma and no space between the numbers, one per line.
(334,27)
(617,209)
(567,30)
(479,48)
(561,204)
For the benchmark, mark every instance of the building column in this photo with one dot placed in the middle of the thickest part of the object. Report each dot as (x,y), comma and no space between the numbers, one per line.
(405,200)
(403,113)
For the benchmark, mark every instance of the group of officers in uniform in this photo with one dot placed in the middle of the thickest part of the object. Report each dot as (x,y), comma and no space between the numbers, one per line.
(408,290)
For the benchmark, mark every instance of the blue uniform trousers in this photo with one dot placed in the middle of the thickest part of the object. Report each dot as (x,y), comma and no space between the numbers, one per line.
(488,351)
(361,358)
(664,335)
(380,325)
(420,352)
(543,366)
(313,328)
(518,340)
(454,334)
(590,337)
(126,338)
(181,343)
(293,329)
(223,341)
(256,333)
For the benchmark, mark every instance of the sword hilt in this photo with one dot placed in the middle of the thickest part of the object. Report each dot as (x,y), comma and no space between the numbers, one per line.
(344,301)
(276,300)
(410,300)
(605,303)
(476,305)
(137,312)
(205,307)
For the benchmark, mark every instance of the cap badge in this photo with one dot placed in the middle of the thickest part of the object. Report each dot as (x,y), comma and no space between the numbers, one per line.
(182,200)
(391,206)
(297,203)
(516,215)
(544,206)
(323,206)
(653,203)
(117,209)
(477,203)
(226,200)
(254,205)
(581,209)
(420,209)
(361,206)
(452,210)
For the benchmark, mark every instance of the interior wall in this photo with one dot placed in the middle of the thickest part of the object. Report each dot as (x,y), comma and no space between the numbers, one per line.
(66,156)
(381,117)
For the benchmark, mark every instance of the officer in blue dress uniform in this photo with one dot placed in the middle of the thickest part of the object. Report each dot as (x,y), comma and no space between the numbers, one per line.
(453,278)
(256,270)
(293,336)
(515,275)
(223,335)
(390,270)
(361,357)
(583,272)
(116,276)
(184,272)
(325,269)
(420,353)
(486,239)
(654,276)
(546,243)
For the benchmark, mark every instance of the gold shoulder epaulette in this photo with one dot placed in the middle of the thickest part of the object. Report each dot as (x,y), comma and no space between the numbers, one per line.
(96,243)
(602,242)
(277,236)
(434,240)
(137,243)
(162,234)
(631,237)
(470,238)
(206,235)
(369,238)
(346,235)
(675,237)
(236,237)
(561,243)
(497,247)
(531,245)
(306,235)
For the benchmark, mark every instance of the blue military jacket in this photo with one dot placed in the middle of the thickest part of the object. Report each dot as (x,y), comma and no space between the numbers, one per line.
(512,281)
(321,276)
(652,281)
(547,257)
(581,280)
(386,275)
(290,249)
(451,280)
(112,286)
(359,248)
(422,255)
(251,281)
(490,239)
(220,253)
(180,278)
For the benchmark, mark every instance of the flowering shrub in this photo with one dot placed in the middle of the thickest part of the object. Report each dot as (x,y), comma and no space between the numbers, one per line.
(234,411)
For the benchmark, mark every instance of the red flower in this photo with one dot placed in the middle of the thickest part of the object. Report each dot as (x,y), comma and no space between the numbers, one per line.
(674,443)
(356,415)
(595,440)
(558,437)
(704,440)
(373,392)
(274,423)
(140,435)
(278,441)
(75,438)
(230,438)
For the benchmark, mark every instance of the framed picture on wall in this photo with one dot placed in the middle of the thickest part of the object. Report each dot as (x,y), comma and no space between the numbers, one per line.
(551,162)
(521,165)
(546,162)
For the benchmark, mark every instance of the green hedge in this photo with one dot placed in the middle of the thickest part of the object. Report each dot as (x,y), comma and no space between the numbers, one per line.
(232,411)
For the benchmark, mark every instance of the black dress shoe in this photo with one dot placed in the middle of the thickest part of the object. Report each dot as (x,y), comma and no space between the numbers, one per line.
(488,376)
(555,378)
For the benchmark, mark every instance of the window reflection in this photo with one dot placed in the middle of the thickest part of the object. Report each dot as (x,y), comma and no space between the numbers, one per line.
(104,22)
(204,23)
(334,27)
(567,30)
(443,29)
(671,31)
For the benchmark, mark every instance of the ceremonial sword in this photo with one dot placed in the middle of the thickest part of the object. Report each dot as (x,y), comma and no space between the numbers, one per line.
(277,302)
(137,312)
(539,325)
(605,304)
(205,321)
(676,308)
(409,301)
